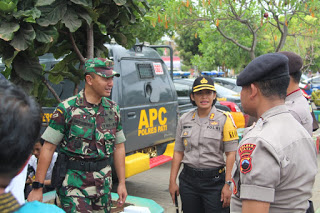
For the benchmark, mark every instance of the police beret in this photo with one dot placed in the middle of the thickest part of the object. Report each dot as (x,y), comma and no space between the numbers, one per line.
(203,82)
(265,67)
(295,61)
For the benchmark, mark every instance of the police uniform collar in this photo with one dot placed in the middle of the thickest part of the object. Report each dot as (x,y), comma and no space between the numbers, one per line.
(274,111)
(210,116)
(294,94)
(212,113)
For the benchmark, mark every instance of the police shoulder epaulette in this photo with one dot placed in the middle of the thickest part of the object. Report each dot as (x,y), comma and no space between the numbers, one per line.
(228,114)
(224,112)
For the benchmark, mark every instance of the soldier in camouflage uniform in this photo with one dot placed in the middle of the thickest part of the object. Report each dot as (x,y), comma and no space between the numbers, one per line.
(88,130)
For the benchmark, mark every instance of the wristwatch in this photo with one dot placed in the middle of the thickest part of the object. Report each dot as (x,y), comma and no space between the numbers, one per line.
(37,185)
(228,182)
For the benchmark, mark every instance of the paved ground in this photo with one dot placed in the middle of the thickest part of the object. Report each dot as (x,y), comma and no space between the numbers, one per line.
(153,184)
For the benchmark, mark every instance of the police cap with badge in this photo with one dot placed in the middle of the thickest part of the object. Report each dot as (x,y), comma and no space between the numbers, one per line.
(100,66)
(265,67)
(203,82)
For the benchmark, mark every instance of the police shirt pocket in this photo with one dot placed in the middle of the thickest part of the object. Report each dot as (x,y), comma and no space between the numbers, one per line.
(212,140)
(186,139)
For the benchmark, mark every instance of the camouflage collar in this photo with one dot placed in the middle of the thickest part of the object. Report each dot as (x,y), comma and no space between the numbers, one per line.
(82,101)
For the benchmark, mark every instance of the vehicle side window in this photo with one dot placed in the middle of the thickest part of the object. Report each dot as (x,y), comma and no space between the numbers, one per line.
(182,90)
(145,71)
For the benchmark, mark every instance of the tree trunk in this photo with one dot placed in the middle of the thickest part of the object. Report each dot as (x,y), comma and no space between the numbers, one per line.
(283,38)
(51,90)
(90,41)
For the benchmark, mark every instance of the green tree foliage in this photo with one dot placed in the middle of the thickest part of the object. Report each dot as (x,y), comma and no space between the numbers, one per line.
(188,43)
(256,27)
(72,29)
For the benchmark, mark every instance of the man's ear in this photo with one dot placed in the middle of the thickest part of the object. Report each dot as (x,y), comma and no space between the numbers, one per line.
(88,79)
(254,90)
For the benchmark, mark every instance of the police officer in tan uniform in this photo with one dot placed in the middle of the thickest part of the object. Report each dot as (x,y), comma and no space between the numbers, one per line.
(276,162)
(203,136)
(296,103)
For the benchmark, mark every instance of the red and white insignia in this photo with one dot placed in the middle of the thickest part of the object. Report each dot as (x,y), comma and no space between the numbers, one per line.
(235,190)
(245,152)
(84,116)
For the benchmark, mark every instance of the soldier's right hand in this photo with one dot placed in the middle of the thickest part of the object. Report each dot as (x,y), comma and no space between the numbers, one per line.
(173,188)
(35,194)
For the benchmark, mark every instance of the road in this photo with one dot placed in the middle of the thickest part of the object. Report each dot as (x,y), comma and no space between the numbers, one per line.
(153,184)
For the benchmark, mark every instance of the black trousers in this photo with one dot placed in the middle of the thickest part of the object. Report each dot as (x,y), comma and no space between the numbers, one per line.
(201,194)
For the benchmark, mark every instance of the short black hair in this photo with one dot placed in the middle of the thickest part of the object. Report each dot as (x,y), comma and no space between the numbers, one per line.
(194,103)
(274,87)
(20,123)
(296,76)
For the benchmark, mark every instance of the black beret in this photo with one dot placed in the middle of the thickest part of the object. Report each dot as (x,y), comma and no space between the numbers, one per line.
(295,61)
(203,82)
(265,67)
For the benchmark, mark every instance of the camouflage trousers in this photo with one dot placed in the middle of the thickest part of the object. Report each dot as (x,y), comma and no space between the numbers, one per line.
(86,191)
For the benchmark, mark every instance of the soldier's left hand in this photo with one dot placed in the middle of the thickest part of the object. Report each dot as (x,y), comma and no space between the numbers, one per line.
(122,192)
(226,196)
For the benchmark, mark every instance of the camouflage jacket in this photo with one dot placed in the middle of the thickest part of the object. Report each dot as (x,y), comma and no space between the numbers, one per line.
(85,131)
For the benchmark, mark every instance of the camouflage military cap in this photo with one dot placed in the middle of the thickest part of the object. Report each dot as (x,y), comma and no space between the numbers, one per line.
(101,66)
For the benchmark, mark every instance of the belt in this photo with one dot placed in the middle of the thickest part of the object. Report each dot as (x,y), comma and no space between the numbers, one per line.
(88,166)
(204,173)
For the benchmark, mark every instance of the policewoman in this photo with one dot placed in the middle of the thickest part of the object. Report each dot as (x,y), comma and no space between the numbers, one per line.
(203,136)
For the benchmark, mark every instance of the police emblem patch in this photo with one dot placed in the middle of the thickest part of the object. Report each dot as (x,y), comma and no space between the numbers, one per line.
(245,152)
(185,142)
(214,123)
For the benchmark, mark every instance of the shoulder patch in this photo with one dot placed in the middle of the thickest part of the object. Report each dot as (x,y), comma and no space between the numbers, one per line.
(245,152)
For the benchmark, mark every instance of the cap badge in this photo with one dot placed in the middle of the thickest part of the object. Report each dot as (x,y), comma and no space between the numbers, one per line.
(109,63)
(245,152)
(204,81)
